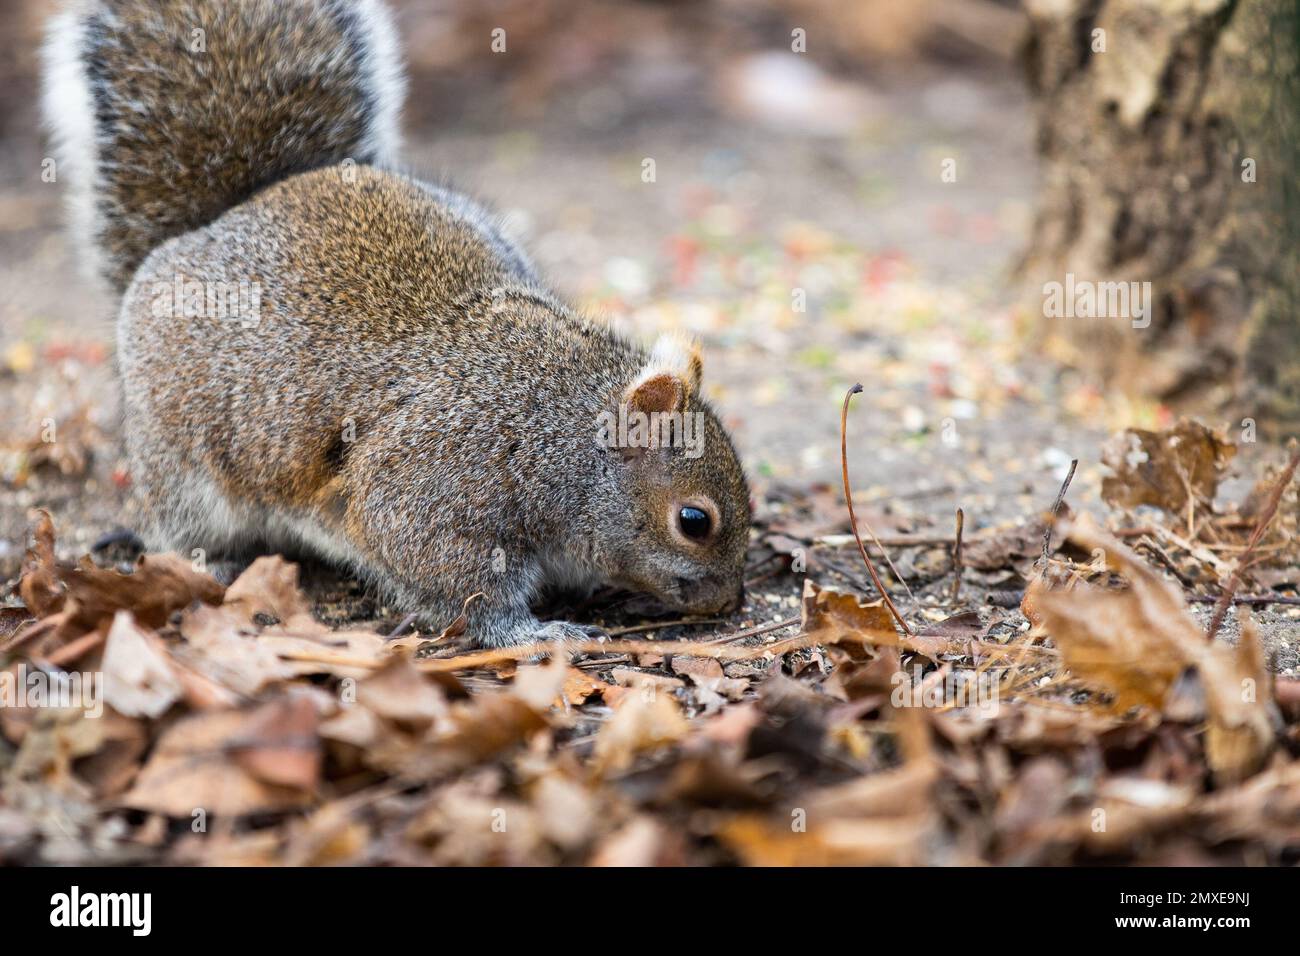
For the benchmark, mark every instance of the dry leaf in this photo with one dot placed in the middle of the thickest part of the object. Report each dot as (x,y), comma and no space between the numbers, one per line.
(1160,468)
(400,693)
(641,842)
(832,616)
(40,587)
(645,719)
(139,680)
(268,593)
(193,766)
(1136,643)
(215,648)
(159,585)
(579,687)
(278,743)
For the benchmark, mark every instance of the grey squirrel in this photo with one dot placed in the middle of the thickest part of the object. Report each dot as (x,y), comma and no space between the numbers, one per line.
(322,354)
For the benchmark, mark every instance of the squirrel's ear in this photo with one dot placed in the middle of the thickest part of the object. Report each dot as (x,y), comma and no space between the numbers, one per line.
(669,378)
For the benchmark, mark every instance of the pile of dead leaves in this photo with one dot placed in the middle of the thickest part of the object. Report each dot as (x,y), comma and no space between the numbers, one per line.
(227,725)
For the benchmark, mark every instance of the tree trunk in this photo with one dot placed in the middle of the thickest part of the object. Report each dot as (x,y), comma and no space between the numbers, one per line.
(1168,137)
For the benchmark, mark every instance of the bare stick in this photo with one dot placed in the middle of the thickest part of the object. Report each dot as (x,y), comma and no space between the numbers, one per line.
(1056,509)
(853,521)
(939,540)
(1270,509)
(1260,599)
(876,637)
(661,625)
(1167,561)
(956,558)
(750,632)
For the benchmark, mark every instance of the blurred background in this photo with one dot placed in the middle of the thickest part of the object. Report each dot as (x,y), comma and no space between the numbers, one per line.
(825,193)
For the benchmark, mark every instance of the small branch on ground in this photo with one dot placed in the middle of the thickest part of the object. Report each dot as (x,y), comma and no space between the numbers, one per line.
(1056,509)
(956,558)
(1266,516)
(1253,599)
(661,625)
(853,521)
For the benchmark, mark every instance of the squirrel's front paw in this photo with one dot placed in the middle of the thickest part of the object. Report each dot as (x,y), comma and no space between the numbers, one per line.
(566,632)
(529,630)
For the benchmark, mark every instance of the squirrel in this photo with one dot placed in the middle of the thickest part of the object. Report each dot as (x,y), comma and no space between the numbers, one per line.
(323,355)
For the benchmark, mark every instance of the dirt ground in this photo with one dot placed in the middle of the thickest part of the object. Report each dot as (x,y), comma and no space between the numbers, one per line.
(904,280)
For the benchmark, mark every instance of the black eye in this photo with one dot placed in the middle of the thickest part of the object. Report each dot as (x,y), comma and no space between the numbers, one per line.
(694,523)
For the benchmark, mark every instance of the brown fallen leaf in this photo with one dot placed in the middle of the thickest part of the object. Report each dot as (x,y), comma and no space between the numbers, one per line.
(159,585)
(39,587)
(566,810)
(643,841)
(1005,547)
(1123,811)
(953,635)
(539,686)
(732,727)
(329,836)
(193,766)
(55,748)
(1163,468)
(139,680)
(881,819)
(850,842)
(705,667)
(630,677)
(278,743)
(267,593)
(216,648)
(357,726)
(831,616)
(1266,807)
(488,725)
(579,687)
(400,693)
(1137,643)
(114,763)
(316,649)
(645,719)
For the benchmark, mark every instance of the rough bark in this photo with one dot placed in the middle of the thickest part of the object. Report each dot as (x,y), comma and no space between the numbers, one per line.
(1147,149)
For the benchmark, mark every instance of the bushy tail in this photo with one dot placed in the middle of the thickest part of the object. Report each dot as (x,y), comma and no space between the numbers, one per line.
(165,113)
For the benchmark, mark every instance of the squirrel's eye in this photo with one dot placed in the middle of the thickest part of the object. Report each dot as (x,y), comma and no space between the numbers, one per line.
(694,523)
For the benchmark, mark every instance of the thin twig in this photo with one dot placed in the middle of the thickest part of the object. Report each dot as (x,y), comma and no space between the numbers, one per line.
(836,541)
(1252,599)
(853,521)
(956,558)
(661,625)
(761,629)
(1163,556)
(1056,509)
(1266,516)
